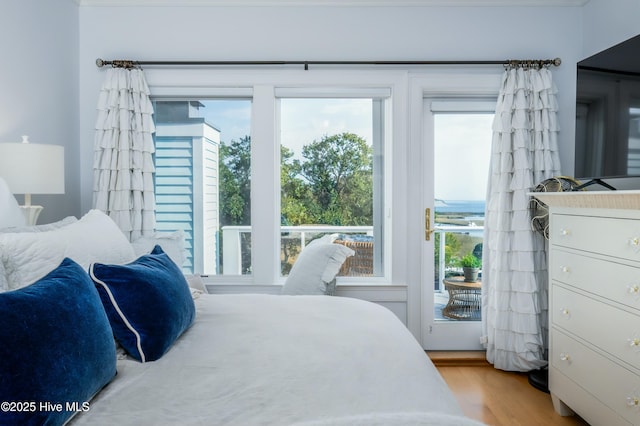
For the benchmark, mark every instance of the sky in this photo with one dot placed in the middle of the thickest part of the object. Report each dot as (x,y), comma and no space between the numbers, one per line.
(303,120)
(463,141)
(308,120)
(231,117)
(462,150)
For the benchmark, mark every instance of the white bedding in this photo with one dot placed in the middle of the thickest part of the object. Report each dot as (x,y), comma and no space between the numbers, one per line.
(281,360)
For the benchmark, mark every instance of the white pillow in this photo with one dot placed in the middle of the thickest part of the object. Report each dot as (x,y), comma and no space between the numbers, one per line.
(41,228)
(10,213)
(316,267)
(27,257)
(196,285)
(4,286)
(195,282)
(172,244)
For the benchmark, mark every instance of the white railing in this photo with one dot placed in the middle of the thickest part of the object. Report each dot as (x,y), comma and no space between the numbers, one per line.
(442,230)
(232,246)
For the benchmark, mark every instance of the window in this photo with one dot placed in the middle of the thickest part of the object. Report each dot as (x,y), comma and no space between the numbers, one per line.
(203,181)
(460,186)
(230,175)
(332,175)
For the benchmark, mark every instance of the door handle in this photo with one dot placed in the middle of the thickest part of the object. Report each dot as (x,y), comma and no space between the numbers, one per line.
(427,224)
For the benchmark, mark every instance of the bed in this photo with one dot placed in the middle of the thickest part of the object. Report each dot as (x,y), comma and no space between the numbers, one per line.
(278,360)
(235,359)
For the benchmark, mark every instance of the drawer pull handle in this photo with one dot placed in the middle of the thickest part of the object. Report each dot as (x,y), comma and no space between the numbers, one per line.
(565,269)
(565,357)
(634,241)
(565,232)
(565,312)
(633,289)
(634,343)
(633,401)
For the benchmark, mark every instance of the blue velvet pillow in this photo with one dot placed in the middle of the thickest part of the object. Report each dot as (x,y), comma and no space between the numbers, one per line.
(57,348)
(148,303)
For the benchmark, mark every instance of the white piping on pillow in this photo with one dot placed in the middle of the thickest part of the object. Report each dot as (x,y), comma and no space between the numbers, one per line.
(120,313)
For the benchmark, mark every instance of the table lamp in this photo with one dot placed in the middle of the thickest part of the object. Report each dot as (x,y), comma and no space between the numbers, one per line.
(31,168)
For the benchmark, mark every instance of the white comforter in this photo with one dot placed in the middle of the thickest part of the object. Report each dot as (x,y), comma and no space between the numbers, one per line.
(281,360)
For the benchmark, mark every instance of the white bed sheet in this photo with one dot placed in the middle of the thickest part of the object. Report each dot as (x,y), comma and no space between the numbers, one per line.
(279,360)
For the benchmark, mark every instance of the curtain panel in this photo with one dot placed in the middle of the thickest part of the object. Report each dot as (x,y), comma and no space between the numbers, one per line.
(515,281)
(123,166)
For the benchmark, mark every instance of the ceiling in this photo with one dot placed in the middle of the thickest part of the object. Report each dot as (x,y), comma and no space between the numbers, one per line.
(384,3)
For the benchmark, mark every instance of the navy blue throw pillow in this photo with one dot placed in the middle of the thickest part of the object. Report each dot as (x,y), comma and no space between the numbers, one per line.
(57,348)
(148,303)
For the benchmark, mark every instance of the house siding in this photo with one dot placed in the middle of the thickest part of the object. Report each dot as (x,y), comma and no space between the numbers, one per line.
(187,189)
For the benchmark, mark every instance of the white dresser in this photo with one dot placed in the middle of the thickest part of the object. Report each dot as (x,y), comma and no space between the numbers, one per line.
(594,306)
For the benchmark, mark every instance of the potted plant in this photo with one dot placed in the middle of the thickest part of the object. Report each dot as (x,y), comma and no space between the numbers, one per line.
(470,267)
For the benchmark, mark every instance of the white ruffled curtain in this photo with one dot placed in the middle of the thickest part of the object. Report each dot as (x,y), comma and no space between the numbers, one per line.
(515,282)
(123,163)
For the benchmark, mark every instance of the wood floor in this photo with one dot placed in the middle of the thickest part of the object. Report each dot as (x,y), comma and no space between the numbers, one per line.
(499,398)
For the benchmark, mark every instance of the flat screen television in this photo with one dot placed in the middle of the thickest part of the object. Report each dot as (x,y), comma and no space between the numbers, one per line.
(608,113)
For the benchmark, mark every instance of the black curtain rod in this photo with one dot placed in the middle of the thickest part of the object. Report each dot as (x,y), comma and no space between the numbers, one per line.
(507,63)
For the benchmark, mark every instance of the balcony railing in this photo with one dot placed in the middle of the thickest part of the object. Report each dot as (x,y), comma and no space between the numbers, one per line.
(442,230)
(232,241)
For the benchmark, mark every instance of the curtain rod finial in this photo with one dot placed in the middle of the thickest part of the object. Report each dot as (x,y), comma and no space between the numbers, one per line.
(99,63)
(557,62)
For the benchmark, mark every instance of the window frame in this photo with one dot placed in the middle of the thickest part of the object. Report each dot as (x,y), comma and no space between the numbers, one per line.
(263,87)
(381,143)
(445,82)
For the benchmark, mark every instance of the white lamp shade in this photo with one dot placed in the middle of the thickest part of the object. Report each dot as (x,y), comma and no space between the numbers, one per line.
(31,168)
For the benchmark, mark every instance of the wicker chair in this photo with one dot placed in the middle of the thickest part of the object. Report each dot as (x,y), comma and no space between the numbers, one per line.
(361,263)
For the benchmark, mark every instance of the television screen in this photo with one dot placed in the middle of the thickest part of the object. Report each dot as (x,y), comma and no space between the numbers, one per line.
(608,113)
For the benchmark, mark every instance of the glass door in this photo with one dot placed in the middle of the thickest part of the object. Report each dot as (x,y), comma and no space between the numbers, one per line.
(458,136)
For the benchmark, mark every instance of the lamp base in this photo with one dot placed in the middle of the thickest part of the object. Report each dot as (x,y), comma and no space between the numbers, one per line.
(31,213)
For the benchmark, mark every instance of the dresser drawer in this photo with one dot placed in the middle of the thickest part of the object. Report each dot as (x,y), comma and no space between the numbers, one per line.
(611,280)
(609,328)
(603,235)
(610,383)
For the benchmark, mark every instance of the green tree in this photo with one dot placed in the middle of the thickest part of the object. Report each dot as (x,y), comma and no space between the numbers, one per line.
(338,171)
(451,248)
(295,193)
(332,184)
(235,182)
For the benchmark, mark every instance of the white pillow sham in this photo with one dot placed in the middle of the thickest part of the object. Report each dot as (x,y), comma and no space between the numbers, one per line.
(4,286)
(316,268)
(41,228)
(27,257)
(172,244)
(196,285)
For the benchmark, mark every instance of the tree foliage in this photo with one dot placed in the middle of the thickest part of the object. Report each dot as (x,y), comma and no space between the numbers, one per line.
(338,170)
(331,184)
(235,182)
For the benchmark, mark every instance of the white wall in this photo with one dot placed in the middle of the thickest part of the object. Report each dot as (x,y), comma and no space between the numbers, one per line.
(38,87)
(49,45)
(325,33)
(609,22)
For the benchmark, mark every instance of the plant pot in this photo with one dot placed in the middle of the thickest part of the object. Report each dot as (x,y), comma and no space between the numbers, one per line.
(470,274)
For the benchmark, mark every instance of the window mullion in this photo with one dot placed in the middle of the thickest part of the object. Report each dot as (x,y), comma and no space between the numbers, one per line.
(265,187)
